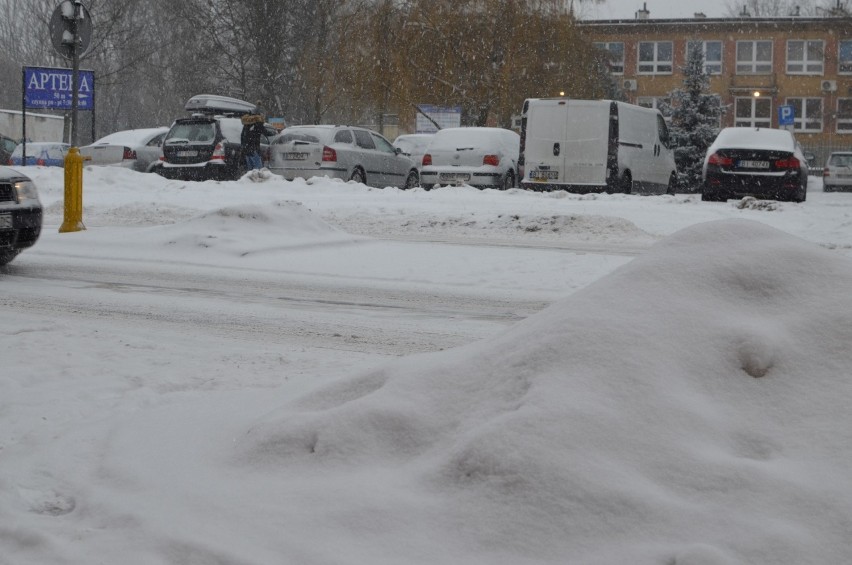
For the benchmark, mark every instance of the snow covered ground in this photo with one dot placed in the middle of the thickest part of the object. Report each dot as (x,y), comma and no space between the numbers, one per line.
(322,373)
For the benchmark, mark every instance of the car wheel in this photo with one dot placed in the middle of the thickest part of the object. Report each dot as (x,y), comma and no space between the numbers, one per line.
(413,180)
(672,185)
(710,197)
(358,176)
(7,256)
(827,188)
(508,181)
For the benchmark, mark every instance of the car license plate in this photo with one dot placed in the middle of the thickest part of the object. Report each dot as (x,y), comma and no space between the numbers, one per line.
(542,176)
(295,156)
(753,164)
(6,221)
(454,176)
(187,153)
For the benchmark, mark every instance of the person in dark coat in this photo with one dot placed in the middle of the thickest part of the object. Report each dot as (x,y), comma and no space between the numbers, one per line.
(250,140)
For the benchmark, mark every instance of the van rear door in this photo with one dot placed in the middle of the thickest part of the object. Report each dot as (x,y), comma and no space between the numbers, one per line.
(544,159)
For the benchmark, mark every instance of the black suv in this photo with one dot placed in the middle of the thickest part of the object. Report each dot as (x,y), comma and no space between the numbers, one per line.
(206,145)
(20,214)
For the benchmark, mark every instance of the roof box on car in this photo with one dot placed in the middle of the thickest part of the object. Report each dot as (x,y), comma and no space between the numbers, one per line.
(213,104)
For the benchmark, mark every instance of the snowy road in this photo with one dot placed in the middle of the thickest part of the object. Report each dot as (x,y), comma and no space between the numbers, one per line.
(264,306)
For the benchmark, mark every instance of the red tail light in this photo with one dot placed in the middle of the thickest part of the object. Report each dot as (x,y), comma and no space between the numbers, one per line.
(218,153)
(826,172)
(720,161)
(427,160)
(788,163)
(40,162)
(491,160)
(329,154)
(129,154)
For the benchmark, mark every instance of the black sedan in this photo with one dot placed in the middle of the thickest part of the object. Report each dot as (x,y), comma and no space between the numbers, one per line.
(764,163)
(20,214)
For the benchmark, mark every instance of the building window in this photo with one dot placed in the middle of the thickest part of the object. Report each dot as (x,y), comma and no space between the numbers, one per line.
(805,57)
(753,112)
(655,57)
(844,57)
(661,103)
(615,50)
(807,112)
(712,51)
(754,57)
(844,115)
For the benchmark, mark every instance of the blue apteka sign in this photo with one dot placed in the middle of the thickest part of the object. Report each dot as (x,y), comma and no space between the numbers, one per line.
(47,88)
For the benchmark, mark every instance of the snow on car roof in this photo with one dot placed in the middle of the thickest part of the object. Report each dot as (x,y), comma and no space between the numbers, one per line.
(131,136)
(755,138)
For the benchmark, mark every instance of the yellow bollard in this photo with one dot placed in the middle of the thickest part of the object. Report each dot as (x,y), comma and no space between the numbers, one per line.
(73,191)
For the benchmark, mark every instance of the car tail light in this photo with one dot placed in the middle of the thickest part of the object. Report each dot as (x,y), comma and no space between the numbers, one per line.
(218,153)
(491,160)
(826,172)
(40,162)
(329,154)
(788,163)
(129,154)
(720,161)
(427,160)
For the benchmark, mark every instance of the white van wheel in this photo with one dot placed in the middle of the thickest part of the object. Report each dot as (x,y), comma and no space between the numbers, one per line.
(627,183)
(672,185)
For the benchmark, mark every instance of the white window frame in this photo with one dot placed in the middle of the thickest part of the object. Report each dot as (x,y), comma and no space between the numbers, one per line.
(752,120)
(657,66)
(813,57)
(801,119)
(753,65)
(655,102)
(711,67)
(844,60)
(616,66)
(841,120)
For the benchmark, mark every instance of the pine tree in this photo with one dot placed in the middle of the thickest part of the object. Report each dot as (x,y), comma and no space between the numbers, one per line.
(695,115)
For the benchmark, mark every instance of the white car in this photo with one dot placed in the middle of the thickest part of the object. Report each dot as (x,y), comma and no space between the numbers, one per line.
(414,145)
(137,149)
(476,156)
(342,152)
(837,174)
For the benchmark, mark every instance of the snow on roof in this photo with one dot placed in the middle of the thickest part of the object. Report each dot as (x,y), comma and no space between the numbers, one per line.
(131,137)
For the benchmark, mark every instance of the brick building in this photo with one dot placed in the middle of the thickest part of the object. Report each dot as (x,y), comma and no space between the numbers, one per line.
(755,66)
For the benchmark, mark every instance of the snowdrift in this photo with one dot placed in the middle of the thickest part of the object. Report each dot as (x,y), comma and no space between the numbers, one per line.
(691,408)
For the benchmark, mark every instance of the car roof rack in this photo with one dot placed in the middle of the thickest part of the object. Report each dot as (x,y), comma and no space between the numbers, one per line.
(219,105)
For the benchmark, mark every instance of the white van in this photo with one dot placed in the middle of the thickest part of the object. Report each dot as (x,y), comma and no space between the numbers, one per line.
(595,146)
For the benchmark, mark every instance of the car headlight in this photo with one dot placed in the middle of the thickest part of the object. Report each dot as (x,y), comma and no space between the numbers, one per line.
(26,190)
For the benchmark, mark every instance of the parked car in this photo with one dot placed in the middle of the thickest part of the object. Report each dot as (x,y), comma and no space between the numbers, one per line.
(136,149)
(414,145)
(20,214)
(206,145)
(342,152)
(478,156)
(837,174)
(41,153)
(7,146)
(595,146)
(760,162)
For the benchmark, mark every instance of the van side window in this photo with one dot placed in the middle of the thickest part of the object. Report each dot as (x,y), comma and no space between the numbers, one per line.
(663,131)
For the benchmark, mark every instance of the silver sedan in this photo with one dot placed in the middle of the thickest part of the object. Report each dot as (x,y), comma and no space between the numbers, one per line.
(342,152)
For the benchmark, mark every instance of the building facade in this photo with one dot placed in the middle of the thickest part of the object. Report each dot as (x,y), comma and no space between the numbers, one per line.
(756,65)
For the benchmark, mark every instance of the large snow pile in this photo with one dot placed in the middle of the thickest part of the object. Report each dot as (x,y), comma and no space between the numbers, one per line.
(691,408)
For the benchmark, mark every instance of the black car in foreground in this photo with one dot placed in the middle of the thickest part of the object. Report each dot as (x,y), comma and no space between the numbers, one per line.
(206,145)
(764,163)
(20,214)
